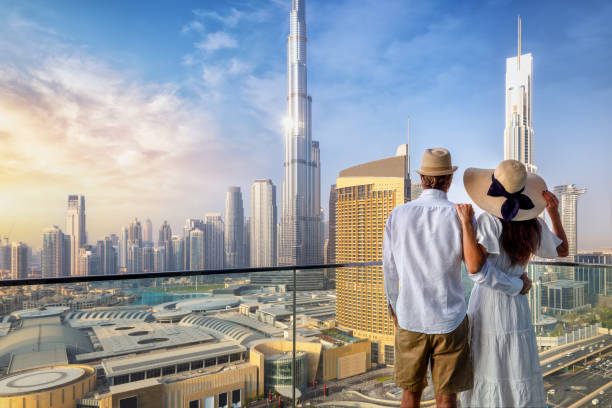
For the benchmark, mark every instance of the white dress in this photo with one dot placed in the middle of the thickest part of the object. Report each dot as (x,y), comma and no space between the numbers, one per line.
(504,350)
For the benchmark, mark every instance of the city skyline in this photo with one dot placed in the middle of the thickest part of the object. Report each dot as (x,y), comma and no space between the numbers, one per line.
(155,171)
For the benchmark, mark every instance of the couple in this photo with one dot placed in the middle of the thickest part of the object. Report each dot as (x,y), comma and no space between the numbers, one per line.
(492,357)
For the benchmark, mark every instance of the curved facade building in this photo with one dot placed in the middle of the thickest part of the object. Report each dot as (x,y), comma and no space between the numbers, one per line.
(277,370)
(56,387)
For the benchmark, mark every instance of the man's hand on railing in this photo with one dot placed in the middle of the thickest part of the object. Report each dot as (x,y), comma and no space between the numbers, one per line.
(526,284)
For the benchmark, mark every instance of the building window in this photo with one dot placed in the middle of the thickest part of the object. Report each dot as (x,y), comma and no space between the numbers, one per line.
(235,357)
(209,362)
(168,370)
(223,400)
(197,364)
(156,372)
(138,376)
(389,355)
(236,399)
(182,367)
(374,353)
(222,359)
(194,404)
(121,379)
(131,402)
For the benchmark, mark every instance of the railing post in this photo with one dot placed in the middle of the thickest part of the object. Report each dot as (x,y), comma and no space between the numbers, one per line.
(293,366)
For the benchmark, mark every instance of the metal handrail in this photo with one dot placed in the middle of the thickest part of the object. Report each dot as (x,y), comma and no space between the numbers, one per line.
(171,274)
(174,274)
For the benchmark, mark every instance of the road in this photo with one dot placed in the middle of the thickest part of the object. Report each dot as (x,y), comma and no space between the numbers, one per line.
(562,358)
(571,386)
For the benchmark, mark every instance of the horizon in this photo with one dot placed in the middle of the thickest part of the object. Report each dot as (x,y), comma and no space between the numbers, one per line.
(154,112)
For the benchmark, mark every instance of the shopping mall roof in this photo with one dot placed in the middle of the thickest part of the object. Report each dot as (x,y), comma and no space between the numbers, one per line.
(141,362)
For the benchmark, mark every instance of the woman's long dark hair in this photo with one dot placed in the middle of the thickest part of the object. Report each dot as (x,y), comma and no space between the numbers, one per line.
(521,239)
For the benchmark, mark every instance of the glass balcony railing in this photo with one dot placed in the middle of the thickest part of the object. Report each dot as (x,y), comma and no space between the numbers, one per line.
(240,337)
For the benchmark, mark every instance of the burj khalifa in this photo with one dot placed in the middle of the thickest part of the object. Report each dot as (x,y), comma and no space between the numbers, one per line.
(300,226)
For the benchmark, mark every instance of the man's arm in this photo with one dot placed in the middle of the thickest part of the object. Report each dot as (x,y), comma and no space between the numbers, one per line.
(391,278)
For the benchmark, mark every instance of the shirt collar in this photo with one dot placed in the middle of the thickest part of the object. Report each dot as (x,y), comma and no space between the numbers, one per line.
(432,192)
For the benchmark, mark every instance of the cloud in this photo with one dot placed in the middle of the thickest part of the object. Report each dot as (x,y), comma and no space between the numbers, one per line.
(71,122)
(193,26)
(217,41)
(234,16)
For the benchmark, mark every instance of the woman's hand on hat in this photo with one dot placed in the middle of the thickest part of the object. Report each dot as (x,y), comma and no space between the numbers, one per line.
(465,213)
(552,202)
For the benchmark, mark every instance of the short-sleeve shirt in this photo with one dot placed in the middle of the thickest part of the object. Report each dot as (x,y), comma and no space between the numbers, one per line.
(488,233)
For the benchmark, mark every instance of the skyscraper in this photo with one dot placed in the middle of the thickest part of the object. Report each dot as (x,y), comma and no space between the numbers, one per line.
(190,225)
(165,241)
(106,254)
(134,258)
(135,232)
(366,195)
(55,253)
(177,259)
(234,225)
(518,134)
(159,263)
(213,242)
(331,240)
(147,231)
(165,234)
(20,260)
(123,249)
(299,233)
(568,209)
(196,250)
(5,255)
(89,261)
(75,227)
(263,223)
(148,259)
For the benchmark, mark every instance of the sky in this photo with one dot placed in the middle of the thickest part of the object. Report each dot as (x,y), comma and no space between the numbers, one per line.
(152,109)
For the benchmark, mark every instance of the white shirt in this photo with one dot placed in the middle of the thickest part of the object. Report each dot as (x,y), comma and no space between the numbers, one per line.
(422,255)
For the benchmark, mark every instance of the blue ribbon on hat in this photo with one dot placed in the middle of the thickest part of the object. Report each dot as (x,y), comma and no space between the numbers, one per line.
(514,201)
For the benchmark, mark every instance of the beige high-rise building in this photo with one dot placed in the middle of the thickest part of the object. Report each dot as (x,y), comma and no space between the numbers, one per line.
(366,195)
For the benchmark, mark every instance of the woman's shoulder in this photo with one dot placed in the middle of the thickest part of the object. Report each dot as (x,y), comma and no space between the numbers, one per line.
(489,220)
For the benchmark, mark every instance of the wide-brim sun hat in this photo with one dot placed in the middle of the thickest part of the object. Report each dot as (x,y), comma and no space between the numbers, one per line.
(508,192)
(436,162)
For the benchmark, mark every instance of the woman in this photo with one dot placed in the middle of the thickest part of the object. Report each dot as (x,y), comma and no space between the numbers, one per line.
(505,353)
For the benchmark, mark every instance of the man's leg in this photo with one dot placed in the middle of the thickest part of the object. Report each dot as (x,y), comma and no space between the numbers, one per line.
(446,400)
(412,353)
(411,399)
(451,365)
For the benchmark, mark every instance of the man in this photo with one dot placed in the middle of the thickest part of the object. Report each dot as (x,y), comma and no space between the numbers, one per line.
(422,255)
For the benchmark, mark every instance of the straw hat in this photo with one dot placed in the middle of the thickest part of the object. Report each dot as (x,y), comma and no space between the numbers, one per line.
(436,162)
(508,192)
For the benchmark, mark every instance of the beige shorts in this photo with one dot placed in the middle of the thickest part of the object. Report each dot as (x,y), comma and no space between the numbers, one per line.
(449,353)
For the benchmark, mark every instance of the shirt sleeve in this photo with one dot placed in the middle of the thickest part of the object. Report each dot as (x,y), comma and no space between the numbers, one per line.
(548,242)
(494,278)
(391,278)
(488,232)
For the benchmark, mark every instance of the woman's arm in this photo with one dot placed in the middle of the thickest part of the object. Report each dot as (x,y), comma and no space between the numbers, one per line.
(472,253)
(552,207)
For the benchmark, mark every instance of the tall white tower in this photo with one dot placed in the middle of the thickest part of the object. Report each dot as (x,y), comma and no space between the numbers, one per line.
(300,223)
(518,134)
(263,223)
(568,209)
(75,227)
